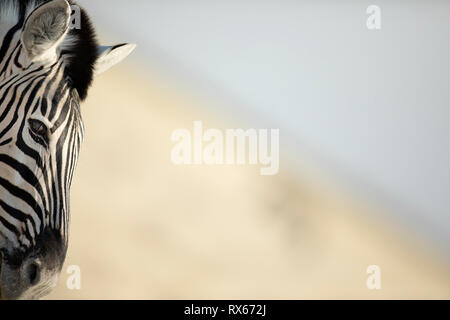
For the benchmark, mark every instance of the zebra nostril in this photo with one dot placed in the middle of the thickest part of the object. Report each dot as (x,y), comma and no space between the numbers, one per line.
(33,273)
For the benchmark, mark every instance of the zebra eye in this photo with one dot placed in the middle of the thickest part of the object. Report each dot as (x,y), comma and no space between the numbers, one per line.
(39,132)
(38,127)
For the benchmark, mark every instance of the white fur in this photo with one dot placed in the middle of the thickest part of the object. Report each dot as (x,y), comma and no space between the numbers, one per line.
(37,29)
(110,57)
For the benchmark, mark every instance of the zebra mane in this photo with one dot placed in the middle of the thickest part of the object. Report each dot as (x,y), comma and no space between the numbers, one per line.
(79,48)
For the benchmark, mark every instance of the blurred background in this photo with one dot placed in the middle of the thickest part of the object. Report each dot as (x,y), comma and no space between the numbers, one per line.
(364,122)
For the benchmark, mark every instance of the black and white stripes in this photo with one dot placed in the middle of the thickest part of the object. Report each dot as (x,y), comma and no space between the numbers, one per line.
(45,71)
(36,169)
(41,131)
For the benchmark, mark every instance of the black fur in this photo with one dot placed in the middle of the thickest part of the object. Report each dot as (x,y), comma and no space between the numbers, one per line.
(83,56)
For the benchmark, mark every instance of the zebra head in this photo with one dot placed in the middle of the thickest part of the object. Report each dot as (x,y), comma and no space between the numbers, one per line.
(46,68)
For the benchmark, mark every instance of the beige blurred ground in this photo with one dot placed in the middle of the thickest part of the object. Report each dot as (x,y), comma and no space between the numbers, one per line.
(143,228)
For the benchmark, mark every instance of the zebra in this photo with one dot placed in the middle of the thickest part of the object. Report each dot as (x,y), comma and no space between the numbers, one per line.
(46,69)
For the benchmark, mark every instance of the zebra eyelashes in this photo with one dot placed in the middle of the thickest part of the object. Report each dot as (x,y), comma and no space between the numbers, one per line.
(39,132)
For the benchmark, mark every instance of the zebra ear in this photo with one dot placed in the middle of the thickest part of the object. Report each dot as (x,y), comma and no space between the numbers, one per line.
(45,28)
(110,56)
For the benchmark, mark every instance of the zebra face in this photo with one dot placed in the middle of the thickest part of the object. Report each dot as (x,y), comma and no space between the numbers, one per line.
(45,71)
(37,164)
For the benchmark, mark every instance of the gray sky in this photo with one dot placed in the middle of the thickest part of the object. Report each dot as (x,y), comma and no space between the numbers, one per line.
(373,105)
